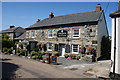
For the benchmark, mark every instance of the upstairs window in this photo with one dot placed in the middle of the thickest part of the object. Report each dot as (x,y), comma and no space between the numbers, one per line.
(33,34)
(50,34)
(76,33)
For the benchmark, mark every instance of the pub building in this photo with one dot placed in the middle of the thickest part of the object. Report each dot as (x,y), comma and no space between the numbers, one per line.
(67,33)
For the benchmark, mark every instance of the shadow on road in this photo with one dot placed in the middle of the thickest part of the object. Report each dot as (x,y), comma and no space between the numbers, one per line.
(5,59)
(8,70)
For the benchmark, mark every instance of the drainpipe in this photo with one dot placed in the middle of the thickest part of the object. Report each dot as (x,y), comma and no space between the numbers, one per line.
(114,47)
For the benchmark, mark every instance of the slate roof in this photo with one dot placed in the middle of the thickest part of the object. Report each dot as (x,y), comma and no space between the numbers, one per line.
(10,30)
(23,36)
(90,16)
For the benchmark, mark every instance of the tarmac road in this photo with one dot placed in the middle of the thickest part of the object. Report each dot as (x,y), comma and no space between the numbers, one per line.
(18,67)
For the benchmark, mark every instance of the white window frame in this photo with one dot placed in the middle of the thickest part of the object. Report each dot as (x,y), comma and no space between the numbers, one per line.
(48,45)
(73,36)
(32,35)
(78,49)
(50,33)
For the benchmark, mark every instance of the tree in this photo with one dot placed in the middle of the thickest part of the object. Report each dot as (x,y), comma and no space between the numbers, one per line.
(8,43)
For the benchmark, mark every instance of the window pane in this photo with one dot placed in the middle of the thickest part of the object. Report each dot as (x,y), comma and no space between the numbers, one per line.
(49,33)
(76,32)
(75,48)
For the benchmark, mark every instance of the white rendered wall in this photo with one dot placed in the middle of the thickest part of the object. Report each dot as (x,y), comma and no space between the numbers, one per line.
(117,61)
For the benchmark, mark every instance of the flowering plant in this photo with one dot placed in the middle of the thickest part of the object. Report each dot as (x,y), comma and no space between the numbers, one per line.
(69,58)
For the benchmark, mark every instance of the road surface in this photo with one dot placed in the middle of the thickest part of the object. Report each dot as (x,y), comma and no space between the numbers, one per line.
(18,67)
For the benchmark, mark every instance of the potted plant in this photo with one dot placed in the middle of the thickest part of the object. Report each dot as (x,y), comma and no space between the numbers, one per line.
(78,57)
(66,55)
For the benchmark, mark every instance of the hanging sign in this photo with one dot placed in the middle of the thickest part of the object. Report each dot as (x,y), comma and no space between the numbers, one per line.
(62,33)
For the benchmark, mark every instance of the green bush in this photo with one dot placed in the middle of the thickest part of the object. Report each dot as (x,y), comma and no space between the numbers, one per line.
(21,52)
(48,53)
(10,51)
(33,57)
(66,55)
(42,52)
(35,49)
(33,53)
(20,43)
(18,50)
(5,50)
(18,54)
(56,53)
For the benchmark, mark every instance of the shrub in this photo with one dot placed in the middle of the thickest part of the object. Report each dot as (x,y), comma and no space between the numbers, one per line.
(78,57)
(73,56)
(23,52)
(66,55)
(33,53)
(33,57)
(56,53)
(42,52)
(35,49)
(10,51)
(48,53)
(18,54)
(5,50)
(18,50)
(20,43)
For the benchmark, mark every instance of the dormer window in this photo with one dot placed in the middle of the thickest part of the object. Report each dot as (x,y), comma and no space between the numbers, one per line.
(76,33)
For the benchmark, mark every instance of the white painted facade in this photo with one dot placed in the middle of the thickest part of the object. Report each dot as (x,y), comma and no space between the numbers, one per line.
(117,61)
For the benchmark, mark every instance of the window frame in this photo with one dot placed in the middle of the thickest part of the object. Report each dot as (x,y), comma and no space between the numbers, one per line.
(33,36)
(48,45)
(73,36)
(50,33)
(77,49)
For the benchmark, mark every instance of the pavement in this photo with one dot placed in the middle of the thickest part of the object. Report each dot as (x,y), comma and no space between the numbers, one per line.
(21,67)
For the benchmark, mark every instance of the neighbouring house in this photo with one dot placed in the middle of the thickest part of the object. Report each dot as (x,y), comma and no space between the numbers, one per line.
(13,32)
(115,48)
(67,33)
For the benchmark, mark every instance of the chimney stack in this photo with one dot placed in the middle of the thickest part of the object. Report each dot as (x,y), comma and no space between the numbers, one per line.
(38,20)
(98,8)
(12,26)
(51,15)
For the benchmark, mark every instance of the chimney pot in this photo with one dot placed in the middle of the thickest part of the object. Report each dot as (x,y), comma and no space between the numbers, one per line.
(51,15)
(38,20)
(12,26)
(98,8)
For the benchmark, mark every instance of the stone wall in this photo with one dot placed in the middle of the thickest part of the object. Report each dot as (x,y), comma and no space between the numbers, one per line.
(88,35)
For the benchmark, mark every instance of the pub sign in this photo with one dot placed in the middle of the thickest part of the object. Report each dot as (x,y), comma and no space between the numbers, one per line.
(62,33)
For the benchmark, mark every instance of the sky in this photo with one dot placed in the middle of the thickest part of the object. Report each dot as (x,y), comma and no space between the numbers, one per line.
(25,14)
